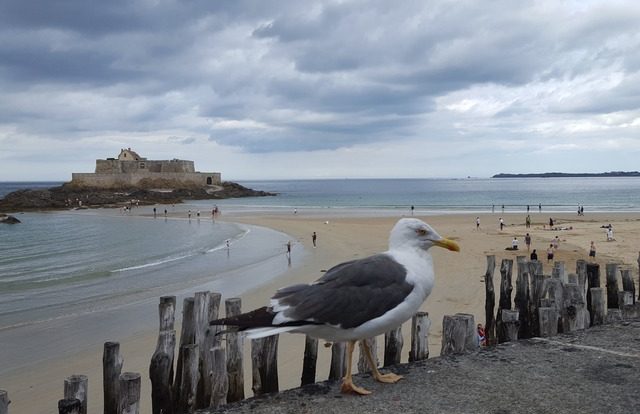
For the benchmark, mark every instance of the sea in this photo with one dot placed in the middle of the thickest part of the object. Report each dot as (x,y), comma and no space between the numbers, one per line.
(92,270)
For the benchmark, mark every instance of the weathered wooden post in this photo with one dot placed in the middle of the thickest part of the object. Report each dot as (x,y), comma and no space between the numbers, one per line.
(363,363)
(548,319)
(558,271)
(186,398)
(537,280)
(129,393)
(264,358)
(593,281)
(625,298)
(393,343)
(161,373)
(574,314)
(455,331)
(219,379)
(420,325)
(638,275)
(210,341)
(161,366)
(597,306)
(111,369)
(338,361)
(4,402)
(627,283)
(69,406)
(187,337)
(523,296)
(552,289)
(612,285)
(581,271)
(471,338)
(506,287)
(76,386)
(310,361)
(201,305)
(490,302)
(510,324)
(235,365)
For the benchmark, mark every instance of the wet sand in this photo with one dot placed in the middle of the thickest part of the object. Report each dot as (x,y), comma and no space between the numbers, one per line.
(459,286)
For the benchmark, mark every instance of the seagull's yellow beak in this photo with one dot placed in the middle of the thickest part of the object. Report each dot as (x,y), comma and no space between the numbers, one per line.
(447,244)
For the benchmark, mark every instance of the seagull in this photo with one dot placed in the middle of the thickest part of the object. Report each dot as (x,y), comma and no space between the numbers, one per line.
(355,300)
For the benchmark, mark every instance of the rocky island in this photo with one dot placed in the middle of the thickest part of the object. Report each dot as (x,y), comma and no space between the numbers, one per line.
(129,179)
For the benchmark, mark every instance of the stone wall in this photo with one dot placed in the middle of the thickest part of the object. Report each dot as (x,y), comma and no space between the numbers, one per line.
(112,166)
(145,179)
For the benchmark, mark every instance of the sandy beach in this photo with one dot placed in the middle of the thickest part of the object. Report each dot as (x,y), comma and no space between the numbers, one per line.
(459,285)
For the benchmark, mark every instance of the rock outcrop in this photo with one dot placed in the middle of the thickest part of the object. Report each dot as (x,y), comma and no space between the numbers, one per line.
(67,196)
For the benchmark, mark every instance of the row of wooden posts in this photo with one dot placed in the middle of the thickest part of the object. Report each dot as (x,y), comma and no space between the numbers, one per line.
(207,374)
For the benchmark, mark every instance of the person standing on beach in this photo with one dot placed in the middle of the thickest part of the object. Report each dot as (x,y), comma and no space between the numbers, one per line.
(550,253)
(556,242)
(314,237)
(527,221)
(289,248)
(412,208)
(539,208)
(503,208)
(514,244)
(154,212)
(527,241)
(477,223)
(501,223)
(493,208)
(527,208)
(534,255)
(592,249)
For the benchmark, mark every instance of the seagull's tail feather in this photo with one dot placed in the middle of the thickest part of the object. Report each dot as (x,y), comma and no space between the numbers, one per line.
(257,323)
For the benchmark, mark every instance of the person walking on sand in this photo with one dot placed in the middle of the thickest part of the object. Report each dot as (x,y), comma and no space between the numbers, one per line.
(534,255)
(514,244)
(610,234)
(314,237)
(556,242)
(412,208)
(527,221)
(550,253)
(501,223)
(477,223)
(527,241)
(289,248)
(592,249)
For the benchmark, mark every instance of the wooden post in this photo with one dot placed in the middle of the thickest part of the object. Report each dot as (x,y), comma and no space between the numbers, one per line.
(572,278)
(68,406)
(201,323)
(511,324)
(188,387)
(548,319)
(235,370)
(111,369)
(627,283)
(363,363)
(264,357)
(522,299)
(187,337)
(625,298)
(310,361)
(471,338)
(506,287)
(553,290)
(4,402)
(210,341)
(338,361)
(581,270)
(393,343)
(593,281)
(574,313)
(76,386)
(558,271)
(454,335)
(129,393)
(219,379)
(161,373)
(597,306)
(167,313)
(420,325)
(490,302)
(612,285)
(638,276)
(537,280)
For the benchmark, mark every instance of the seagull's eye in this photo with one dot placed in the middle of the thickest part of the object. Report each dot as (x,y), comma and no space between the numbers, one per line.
(421,232)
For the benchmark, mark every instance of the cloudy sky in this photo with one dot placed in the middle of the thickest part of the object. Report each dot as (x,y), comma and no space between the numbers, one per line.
(325,89)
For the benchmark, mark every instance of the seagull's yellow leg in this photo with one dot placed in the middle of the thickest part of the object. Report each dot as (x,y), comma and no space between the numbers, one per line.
(347,382)
(389,378)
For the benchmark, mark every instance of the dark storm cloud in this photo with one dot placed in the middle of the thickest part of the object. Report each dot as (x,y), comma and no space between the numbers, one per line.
(307,75)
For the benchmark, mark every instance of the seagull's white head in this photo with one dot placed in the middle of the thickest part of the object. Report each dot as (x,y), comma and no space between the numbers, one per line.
(411,232)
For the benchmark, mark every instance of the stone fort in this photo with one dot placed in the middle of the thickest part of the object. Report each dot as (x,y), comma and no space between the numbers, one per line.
(130,170)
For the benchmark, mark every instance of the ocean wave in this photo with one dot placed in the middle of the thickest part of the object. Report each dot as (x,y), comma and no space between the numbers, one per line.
(234,239)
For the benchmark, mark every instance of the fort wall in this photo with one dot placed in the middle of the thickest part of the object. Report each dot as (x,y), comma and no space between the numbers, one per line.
(145,179)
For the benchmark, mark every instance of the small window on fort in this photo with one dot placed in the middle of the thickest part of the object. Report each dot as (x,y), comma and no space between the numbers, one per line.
(142,165)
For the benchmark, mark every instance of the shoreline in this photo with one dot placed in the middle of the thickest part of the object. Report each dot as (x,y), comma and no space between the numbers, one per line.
(459,286)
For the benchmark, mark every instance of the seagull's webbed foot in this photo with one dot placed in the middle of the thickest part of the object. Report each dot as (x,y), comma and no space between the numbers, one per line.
(348,387)
(389,378)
